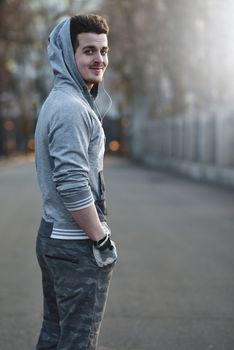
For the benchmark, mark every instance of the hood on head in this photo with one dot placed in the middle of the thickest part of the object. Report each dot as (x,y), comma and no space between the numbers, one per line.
(62,59)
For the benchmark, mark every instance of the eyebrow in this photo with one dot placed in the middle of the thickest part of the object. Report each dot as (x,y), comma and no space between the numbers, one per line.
(94,47)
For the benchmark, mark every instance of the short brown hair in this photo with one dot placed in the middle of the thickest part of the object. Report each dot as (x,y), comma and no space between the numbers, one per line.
(90,23)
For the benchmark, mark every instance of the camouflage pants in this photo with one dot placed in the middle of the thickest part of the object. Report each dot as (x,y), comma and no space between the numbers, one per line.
(74,290)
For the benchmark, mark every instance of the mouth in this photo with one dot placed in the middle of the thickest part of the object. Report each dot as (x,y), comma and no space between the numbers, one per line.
(97,69)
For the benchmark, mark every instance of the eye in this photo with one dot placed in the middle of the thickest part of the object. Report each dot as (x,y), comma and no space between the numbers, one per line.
(104,52)
(89,52)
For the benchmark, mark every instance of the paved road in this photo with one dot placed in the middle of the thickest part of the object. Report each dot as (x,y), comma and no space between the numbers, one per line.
(173,288)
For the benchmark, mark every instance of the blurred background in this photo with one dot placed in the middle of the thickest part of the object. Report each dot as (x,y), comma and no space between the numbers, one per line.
(171,79)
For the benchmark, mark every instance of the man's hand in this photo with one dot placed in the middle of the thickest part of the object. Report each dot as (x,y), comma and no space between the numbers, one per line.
(106,254)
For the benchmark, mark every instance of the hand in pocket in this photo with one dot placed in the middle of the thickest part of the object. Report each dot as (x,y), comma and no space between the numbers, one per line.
(105,257)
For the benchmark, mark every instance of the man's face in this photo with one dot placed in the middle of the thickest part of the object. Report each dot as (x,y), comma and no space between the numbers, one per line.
(92,57)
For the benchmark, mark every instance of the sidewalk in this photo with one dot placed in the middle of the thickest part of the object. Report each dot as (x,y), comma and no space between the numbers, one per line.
(173,286)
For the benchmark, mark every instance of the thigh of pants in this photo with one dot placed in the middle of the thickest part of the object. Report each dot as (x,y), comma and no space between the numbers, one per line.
(74,283)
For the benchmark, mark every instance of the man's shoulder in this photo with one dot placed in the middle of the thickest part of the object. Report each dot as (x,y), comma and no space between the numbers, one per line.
(64,99)
(59,104)
(64,108)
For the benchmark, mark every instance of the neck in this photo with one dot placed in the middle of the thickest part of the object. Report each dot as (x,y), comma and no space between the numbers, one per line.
(89,85)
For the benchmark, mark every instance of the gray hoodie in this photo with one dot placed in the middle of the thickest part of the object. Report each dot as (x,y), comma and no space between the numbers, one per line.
(70,143)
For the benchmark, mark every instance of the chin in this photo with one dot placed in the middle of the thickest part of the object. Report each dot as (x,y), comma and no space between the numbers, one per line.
(96,81)
(97,78)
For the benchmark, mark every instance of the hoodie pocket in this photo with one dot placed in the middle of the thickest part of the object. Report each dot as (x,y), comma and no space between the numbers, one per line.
(100,203)
(101,185)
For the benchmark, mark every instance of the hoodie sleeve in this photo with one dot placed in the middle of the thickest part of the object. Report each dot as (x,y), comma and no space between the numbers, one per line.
(69,138)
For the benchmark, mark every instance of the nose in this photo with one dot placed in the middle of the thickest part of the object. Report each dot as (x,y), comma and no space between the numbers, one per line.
(99,57)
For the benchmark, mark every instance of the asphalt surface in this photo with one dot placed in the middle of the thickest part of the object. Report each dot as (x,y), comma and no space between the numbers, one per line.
(173,286)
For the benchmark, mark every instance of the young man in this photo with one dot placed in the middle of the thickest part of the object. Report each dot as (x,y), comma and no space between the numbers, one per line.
(74,249)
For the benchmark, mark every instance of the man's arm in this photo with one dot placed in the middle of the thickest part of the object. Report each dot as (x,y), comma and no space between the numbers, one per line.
(69,140)
(88,220)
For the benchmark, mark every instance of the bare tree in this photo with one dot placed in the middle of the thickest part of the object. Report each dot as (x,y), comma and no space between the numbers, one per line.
(24,69)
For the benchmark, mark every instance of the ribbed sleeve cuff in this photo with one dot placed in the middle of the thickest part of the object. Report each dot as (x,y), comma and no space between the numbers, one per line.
(79,200)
